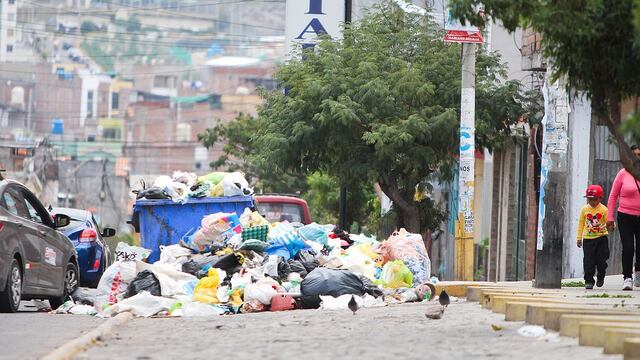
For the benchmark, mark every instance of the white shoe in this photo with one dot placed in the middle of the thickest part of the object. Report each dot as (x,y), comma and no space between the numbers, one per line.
(636,279)
(627,284)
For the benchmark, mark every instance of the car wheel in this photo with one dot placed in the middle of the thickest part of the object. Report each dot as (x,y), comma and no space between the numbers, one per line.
(10,297)
(70,285)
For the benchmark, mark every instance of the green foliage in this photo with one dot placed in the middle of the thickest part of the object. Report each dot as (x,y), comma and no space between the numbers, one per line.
(363,206)
(607,296)
(382,105)
(578,284)
(592,44)
(238,147)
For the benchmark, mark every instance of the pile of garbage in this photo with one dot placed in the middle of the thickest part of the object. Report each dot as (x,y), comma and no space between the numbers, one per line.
(182,186)
(239,264)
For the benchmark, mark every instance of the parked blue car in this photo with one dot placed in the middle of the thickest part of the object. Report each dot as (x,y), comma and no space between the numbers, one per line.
(94,255)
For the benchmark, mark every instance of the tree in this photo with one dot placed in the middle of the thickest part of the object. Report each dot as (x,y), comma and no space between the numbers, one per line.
(236,138)
(591,43)
(320,190)
(133,24)
(381,105)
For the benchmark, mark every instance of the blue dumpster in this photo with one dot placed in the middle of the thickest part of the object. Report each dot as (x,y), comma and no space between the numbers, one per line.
(163,222)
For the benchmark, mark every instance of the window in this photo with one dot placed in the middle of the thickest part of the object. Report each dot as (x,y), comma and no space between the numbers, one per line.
(9,48)
(15,203)
(34,215)
(112,134)
(90,103)
(10,203)
(115,101)
(164,81)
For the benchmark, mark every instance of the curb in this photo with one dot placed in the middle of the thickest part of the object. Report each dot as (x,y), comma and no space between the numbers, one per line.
(75,346)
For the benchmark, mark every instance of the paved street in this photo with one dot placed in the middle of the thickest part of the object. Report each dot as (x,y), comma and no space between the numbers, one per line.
(31,335)
(395,332)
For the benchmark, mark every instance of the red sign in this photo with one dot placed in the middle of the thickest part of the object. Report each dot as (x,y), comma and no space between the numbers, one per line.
(463,36)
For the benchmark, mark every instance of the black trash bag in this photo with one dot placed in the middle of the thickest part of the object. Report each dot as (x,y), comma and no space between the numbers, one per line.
(371,288)
(325,281)
(152,193)
(307,259)
(297,267)
(83,295)
(283,269)
(144,281)
(191,267)
(229,263)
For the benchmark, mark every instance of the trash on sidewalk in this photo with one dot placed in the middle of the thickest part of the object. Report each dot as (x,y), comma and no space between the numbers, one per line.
(532,331)
(234,261)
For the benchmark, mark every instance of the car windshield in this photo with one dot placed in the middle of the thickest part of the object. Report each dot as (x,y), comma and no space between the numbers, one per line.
(277,212)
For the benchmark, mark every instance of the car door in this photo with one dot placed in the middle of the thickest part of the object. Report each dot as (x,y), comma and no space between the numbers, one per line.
(52,270)
(27,233)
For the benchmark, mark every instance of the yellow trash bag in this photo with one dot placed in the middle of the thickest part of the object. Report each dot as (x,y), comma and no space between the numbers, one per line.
(206,289)
(235,298)
(395,274)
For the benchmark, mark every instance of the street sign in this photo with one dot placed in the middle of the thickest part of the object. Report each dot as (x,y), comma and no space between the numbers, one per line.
(307,20)
(458,33)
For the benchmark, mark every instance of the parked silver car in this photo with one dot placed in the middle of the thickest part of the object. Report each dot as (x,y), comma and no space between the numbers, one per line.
(36,261)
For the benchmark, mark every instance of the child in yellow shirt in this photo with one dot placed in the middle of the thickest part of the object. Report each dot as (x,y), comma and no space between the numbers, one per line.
(592,236)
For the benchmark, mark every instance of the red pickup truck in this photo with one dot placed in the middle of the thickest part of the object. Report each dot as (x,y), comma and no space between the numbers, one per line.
(276,208)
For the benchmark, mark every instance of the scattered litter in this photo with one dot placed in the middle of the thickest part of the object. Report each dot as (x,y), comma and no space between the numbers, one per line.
(532,331)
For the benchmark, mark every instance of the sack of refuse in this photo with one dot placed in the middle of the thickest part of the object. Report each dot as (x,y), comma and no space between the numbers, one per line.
(126,252)
(325,281)
(85,296)
(285,244)
(178,192)
(114,282)
(234,184)
(315,232)
(174,255)
(409,248)
(395,274)
(144,281)
(189,179)
(262,292)
(207,288)
(252,218)
(219,227)
(143,304)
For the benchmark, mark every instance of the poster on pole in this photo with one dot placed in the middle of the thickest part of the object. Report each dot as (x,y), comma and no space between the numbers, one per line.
(458,33)
(307,20)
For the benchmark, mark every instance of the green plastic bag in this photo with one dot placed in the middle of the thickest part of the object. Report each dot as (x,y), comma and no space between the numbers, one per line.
(395,274)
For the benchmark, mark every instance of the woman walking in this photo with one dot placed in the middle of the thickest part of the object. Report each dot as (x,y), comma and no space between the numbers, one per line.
(626,190)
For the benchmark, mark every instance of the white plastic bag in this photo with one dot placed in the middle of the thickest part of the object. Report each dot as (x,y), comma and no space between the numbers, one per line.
(178,192)
(126,252)
(271,267)
(143,304)
(173,282)
(260,292)
(186,178)
(162,181)
(196,309)
(114,282)
(174,255)
(234,184)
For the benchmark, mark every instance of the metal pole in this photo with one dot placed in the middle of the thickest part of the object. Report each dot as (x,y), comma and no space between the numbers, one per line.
(343,189)
(465,224)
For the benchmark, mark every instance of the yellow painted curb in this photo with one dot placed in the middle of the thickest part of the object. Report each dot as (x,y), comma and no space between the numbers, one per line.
(632,349)
(498,303)
(552,317)
(570,324)
(73,347)
(614,339)
(591,333)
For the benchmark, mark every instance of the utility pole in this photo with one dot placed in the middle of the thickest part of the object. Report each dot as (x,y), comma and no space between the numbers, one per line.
(343,189)
(553,175)
(466,181)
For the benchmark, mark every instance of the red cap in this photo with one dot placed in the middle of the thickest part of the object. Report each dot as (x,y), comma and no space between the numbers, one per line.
(594,191)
